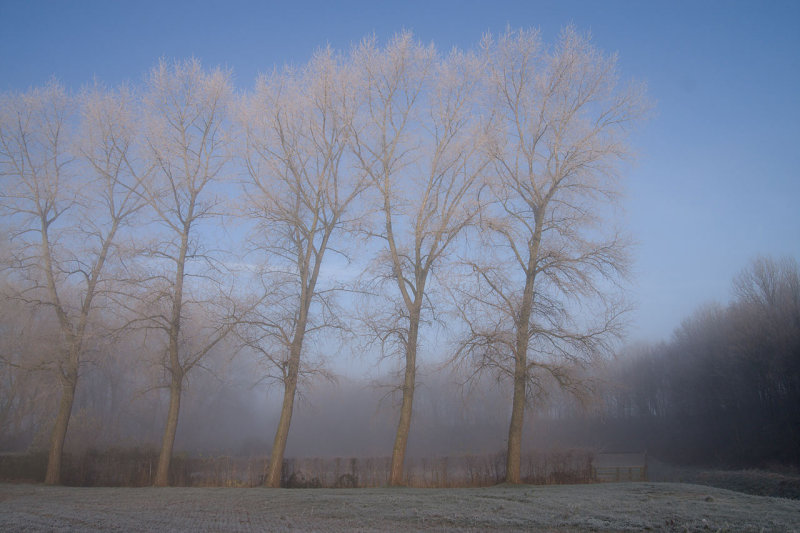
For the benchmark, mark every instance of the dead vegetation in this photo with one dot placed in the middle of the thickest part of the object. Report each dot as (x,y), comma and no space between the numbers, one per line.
(136,468)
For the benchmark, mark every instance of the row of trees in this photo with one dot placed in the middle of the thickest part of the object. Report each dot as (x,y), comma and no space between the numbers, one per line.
(222,413)
(187,215)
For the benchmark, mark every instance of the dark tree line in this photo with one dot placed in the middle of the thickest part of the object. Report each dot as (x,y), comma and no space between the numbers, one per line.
(725,389)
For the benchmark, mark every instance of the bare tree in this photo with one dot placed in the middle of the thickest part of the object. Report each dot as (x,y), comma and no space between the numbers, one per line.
(771,284)
(187,137)
(297,126)
(67,202)
(420,146)
(543,296)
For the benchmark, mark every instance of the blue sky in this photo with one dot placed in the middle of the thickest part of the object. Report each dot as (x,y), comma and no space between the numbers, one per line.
(717,179)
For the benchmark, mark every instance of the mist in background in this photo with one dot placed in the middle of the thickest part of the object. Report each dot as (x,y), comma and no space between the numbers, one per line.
(707,373)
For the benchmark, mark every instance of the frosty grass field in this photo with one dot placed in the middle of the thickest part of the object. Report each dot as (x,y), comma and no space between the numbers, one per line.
(607,507)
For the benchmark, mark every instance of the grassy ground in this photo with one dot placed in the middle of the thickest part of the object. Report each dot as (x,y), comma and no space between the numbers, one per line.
(783,484)
(607,507)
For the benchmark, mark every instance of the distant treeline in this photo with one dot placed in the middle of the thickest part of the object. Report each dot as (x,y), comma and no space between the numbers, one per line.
(725,390)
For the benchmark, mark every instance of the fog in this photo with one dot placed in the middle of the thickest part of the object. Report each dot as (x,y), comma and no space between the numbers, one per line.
(722,391)
(376,255)
(227,408)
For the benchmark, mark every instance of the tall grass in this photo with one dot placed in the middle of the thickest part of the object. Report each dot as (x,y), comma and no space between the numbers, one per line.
(136,467)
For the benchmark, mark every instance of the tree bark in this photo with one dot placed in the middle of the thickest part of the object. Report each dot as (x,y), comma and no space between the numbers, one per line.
(519,400)
(282,433)
(171,428)
(404,425)
(175,367)
(68,385)
(514,452)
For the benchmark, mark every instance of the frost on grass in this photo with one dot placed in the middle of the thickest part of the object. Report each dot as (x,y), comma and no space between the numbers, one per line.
(609,507)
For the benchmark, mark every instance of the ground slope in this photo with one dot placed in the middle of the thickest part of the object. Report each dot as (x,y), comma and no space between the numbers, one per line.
(607,507)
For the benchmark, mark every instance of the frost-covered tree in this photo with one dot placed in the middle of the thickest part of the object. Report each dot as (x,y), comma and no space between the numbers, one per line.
(543,296)
(419,142)
(187,135)
(70,185)
(297,127)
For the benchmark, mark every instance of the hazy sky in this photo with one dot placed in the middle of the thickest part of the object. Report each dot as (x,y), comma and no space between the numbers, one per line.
(717,180)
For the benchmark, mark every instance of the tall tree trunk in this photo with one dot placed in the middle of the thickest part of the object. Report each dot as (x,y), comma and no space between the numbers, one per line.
(69,382)
(282,433)
(168,440)
(175,367)
(69,377)
(514,452)
(522,324)
(404,425)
